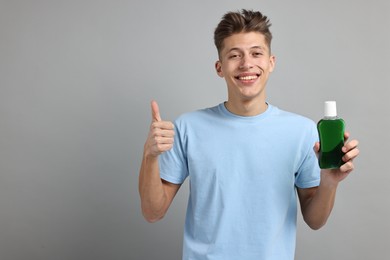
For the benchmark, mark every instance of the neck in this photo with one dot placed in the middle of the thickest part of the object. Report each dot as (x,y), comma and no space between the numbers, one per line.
(248,108)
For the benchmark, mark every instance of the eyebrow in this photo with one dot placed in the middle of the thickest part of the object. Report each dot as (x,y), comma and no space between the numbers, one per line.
(239,49)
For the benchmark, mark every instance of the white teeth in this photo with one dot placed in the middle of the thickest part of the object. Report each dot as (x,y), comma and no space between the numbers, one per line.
(248,78)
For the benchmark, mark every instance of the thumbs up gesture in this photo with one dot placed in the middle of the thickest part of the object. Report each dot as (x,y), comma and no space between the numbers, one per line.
(161,134)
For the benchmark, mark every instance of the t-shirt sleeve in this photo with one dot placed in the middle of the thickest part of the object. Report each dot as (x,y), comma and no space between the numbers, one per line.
(308,174)
(173,163)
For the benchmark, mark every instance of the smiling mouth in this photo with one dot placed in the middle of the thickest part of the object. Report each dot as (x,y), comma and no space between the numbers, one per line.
(247,77)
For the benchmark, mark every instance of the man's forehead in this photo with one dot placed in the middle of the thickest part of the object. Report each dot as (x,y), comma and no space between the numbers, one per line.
(247,40)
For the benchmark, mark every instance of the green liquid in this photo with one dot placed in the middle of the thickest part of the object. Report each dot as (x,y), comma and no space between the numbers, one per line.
(331,132)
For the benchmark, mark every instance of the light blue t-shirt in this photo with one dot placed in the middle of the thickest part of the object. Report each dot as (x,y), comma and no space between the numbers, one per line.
(243,173)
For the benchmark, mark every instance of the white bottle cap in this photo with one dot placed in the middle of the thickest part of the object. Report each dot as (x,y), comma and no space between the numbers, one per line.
(330,109)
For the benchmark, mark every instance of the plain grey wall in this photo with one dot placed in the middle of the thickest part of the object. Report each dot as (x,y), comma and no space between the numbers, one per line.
(76,79)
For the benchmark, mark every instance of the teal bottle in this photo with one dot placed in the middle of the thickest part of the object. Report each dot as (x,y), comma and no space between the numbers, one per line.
(331,132)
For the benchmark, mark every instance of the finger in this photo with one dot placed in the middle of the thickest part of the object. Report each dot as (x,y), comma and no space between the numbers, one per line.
(316,147)
(164,140)
(350,145)
(164,125)
(346,136)
(347,167)
(155,112)
(157,132)
(166,133)
(161,148)
(351,155)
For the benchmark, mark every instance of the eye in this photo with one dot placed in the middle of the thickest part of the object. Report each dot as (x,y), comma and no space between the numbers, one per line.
(234,56)
(257,54)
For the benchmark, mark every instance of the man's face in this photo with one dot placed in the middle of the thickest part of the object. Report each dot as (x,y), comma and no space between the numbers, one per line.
(245,63)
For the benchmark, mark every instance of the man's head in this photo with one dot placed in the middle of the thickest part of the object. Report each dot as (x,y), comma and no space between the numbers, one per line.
(244,21)
(245,61)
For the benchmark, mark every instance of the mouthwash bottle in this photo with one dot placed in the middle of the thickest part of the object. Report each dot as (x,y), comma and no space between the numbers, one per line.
(331,132)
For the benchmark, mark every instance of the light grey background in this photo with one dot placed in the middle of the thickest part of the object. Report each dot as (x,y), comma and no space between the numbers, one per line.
(76,79)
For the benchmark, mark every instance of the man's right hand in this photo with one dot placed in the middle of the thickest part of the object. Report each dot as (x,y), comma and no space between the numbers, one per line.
(161,134)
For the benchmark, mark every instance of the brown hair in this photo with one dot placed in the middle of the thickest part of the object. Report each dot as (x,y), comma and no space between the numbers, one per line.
(244,21)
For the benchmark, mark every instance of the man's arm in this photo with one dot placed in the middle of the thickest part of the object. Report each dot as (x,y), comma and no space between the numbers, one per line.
(317,202)
(156,194)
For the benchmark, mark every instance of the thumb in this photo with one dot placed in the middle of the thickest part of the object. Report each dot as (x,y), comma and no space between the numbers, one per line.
(316,148)
(155,112)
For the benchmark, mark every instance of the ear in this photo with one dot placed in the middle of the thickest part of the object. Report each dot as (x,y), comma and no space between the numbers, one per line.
(272,62)
(218,68)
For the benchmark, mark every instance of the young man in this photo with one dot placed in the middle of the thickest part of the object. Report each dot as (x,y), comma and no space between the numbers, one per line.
(246,159)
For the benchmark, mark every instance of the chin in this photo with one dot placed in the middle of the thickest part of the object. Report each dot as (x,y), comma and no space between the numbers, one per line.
(252,94)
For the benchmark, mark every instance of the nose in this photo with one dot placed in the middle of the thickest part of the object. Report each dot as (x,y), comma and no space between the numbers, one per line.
(246,63)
